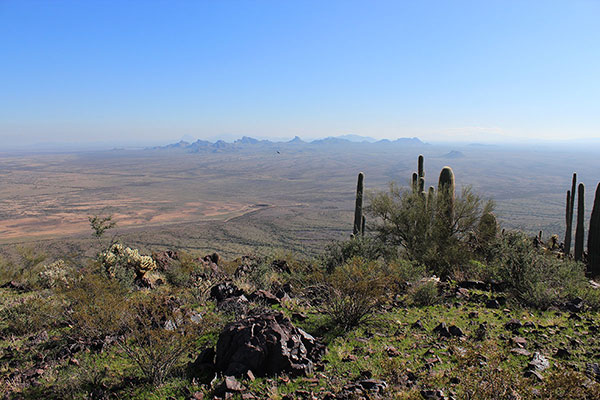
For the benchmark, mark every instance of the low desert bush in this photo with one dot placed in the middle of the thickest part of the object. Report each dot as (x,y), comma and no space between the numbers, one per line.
(184,272)
(339,252)
(355,290)
(94,307)
(30,314)
(423,293)
(534,278)
(157,332)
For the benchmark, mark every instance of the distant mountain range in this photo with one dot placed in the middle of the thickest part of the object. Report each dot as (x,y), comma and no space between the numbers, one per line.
(247,142)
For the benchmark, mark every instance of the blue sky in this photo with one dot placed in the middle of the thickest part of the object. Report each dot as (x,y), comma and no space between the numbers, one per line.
(148,71)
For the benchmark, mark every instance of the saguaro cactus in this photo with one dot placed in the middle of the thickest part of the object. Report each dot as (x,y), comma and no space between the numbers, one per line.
(593,244)
(579,230)
(446,190)
(569,215)
(430,198)
(487,228)
(358,215)
(415,181)
(420,169)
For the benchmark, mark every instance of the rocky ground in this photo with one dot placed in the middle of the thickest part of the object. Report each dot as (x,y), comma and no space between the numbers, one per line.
(267,333)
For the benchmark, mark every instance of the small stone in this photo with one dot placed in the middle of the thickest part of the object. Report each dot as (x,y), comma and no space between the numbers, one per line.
(442,330)
(520,351)
(250,375)
(433,394)
(299,316)
(562,353)
(418,325)
(513,325)
(391,351)
(593,371)
(531,373)
(492,303)
(456,331)
(519,341)
(538,362)
(349,358)
(229,385)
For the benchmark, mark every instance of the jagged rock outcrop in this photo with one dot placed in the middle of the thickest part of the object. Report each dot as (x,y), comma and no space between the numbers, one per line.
(266,344)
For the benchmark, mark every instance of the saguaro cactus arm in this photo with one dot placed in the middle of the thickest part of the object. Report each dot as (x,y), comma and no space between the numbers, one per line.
(579,230)
(593,244)
(358,215)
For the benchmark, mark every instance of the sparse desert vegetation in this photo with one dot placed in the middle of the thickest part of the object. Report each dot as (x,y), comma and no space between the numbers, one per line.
(433,300)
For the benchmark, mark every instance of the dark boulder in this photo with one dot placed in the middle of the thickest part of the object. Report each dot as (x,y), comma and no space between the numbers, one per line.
(370,388)
(14,285)
(280,266)
(225,290)
(246,264)
(163,259)
(266,344)
(262,296)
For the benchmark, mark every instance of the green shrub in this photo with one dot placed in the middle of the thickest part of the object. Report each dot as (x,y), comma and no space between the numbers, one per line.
(94,307)
(355,290)
(339,252)
(537,279)
(157,333)
(418,225)
(31,314)
(424,293)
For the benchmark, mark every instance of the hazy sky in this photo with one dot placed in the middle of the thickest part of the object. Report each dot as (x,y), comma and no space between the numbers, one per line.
(123,71)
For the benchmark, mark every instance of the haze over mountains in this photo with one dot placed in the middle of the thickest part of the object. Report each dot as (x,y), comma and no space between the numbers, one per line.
(247,142)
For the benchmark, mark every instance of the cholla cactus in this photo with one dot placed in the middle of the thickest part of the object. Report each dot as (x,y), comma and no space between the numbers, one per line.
(55,274)
(119,256)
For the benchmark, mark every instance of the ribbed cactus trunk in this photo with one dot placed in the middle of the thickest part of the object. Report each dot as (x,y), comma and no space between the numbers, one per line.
(430,198)
(358,214)
(567,247)
(362,225)
(593,244)
(579,230)
(569,215)
(446,189)
(415,181)
(420,169)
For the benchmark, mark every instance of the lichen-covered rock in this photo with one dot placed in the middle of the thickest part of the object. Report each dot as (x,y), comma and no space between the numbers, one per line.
(266,344)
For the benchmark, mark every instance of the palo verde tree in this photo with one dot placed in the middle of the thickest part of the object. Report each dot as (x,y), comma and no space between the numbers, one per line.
(435,229)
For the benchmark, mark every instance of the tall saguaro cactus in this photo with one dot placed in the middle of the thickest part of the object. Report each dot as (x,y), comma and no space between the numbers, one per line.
(420,169)
(358,214)
(569,215)
(579,230)
(446,190)
(593,244)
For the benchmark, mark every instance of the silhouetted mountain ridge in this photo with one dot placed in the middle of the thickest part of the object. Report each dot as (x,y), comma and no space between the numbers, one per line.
(247,142)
